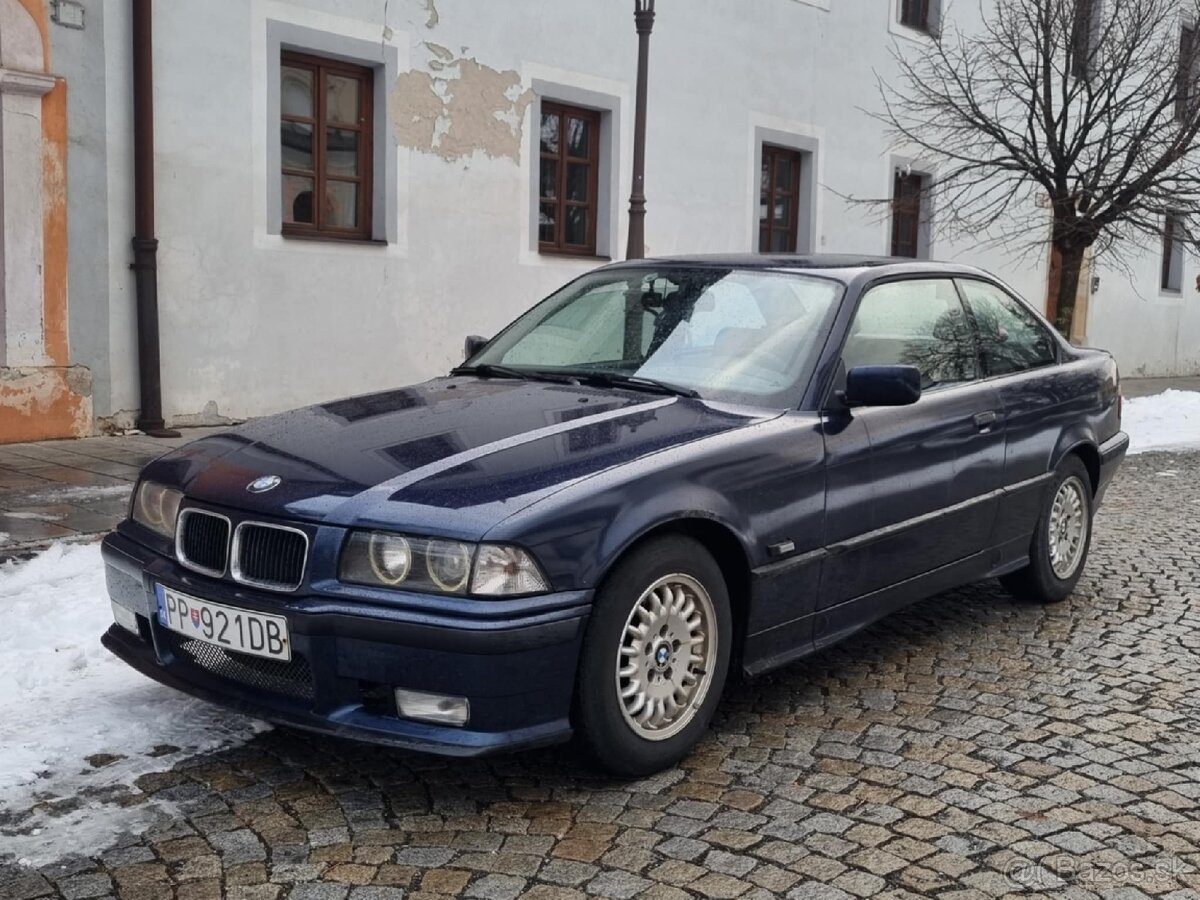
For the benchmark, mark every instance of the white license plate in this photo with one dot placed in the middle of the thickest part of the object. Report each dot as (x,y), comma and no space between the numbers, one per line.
(225,626)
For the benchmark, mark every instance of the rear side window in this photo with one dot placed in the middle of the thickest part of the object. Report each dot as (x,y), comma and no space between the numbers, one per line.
(918,323)
(1011,338)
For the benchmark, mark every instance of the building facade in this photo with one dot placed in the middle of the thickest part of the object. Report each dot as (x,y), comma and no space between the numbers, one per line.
(346,188)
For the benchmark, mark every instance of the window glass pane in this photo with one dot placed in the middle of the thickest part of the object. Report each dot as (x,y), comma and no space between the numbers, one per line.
(579,138)
(297,200)
(341,204)
(297,145)
(296,92)
(550,127)
(549,178)
(546,218)
(341,99)
(914,323)
(783,173)
(783,210)
(764,240)
(341,151)
(1011,338)
(577,182)
(576,226)
(781,242)
(764,194)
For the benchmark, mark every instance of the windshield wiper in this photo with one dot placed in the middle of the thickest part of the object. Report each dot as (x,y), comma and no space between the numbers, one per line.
(636,382)
(491,370)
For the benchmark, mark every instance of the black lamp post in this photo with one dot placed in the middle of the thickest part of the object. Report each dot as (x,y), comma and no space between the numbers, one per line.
(643,15)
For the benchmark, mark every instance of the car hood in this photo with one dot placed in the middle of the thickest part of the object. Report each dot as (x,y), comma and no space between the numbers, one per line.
(452,456)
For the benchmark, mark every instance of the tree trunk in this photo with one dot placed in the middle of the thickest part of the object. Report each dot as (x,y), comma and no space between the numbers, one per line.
(1070,259)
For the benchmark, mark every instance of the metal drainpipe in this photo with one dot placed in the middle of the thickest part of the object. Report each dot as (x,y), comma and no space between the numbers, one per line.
(145,246)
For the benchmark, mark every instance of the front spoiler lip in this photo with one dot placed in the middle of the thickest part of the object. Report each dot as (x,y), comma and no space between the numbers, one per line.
(348,722)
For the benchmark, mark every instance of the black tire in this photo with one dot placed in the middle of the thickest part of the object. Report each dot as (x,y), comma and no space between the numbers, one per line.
(1038,582)
(599,710)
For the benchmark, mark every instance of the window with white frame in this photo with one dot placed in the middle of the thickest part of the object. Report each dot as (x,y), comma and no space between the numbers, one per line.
(1172,254)
(330,153)
(575,149)
(910,214)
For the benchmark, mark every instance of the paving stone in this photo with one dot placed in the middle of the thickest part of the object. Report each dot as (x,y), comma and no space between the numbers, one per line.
(496,887)
(617,885)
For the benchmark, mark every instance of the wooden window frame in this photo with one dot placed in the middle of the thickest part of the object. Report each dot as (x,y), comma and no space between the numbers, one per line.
(915,14)
(768,227)
(1184,71)
(563,159)
(1082,26)
(1171,246)
(906,204)
(321,67)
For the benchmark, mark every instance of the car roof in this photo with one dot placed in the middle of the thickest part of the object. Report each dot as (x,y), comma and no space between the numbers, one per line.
(843,266)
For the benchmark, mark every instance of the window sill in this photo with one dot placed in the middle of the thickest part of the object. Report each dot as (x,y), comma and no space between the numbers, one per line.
(910,32)
(333,239)
(572,254)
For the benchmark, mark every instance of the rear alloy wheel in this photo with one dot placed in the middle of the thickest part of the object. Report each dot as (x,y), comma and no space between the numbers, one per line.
(1061,540)
(655,656)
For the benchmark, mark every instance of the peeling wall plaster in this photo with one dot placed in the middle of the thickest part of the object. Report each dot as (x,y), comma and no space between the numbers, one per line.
(42,402)
(462,108)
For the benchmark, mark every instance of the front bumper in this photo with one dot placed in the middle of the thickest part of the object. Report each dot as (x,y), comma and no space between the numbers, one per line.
(517,670)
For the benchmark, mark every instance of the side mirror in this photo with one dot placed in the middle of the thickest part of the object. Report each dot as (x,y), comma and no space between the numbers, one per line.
(473,344)
(883,386)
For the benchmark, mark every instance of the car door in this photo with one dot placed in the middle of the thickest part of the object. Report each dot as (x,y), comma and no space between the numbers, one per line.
(1039,399)
(910,489)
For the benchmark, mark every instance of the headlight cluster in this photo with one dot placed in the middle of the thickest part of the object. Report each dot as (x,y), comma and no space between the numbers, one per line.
(157,507)
(381,558)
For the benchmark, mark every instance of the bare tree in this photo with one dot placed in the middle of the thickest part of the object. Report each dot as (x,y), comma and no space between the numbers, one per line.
(1090,106)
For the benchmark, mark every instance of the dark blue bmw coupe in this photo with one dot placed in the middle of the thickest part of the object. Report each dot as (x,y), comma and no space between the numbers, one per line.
(666,470)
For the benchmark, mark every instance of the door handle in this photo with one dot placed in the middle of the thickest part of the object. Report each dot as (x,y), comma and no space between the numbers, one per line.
(985,420)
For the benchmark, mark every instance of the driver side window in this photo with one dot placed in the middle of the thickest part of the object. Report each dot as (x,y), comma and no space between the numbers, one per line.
(919,323)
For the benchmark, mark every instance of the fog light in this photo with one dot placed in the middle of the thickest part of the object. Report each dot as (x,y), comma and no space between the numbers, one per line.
(126,618)
(439,708)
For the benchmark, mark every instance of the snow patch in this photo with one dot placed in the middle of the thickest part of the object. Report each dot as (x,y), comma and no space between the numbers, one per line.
(1166,421)
(77,725)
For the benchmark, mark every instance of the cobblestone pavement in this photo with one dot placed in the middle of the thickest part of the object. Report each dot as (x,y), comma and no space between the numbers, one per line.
(968,747)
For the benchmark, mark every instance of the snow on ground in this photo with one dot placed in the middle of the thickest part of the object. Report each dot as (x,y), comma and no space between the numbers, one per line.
(67,706)
(1166,421)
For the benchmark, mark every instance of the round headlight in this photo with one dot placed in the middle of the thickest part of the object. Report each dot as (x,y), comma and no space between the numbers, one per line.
(449,564)
(153,497)
(390,556)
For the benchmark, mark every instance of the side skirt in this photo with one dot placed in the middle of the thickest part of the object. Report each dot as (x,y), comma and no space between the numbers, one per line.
(829,626)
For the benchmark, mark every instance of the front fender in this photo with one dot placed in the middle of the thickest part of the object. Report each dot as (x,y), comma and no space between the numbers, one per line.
(764,484)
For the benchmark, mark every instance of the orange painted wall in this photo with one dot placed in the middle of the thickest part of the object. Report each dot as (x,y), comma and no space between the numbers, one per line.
(54,234)
(50,402)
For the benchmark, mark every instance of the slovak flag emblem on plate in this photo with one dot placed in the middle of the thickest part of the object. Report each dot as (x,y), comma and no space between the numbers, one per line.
(195,613)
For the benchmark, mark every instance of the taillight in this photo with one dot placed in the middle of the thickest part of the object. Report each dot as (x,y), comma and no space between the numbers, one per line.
(1120,407)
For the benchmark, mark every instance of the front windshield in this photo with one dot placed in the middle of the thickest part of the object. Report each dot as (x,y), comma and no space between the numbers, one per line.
(745,336)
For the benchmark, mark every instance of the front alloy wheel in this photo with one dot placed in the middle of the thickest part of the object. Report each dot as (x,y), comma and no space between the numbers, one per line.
(664,665)
(655,656)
